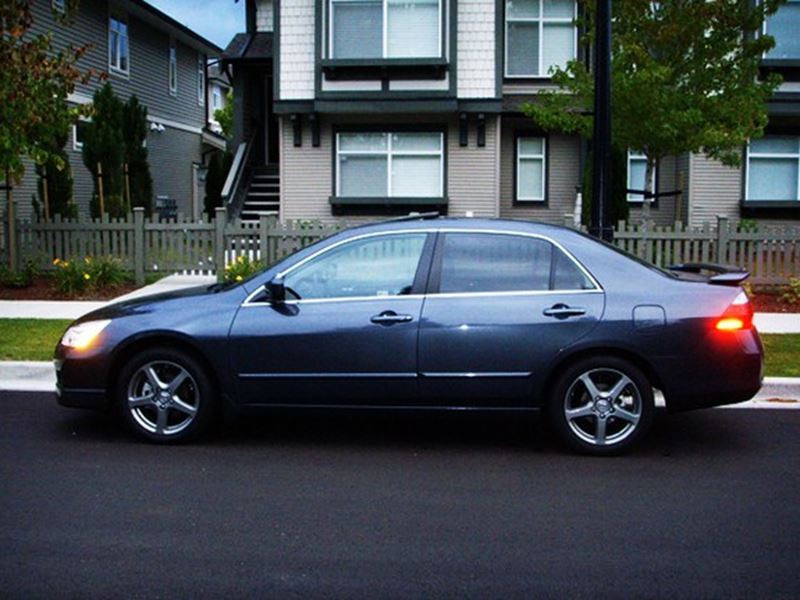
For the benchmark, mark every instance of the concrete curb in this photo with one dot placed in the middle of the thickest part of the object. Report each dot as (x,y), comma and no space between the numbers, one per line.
(24,376)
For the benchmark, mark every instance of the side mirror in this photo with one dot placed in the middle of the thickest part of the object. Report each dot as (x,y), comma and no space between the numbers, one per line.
(276,290)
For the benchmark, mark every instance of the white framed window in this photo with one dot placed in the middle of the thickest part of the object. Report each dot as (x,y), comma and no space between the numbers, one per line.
(531,169)
(216,98)
(773,169)
(540,34)
(384,29)
(173,68)
(58,5)
(201,79)
(637,175)
(390,165)
(78,132)
(783,26)
(118,47)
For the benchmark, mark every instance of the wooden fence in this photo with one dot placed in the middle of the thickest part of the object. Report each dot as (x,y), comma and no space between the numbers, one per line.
(771,254)
(167,246)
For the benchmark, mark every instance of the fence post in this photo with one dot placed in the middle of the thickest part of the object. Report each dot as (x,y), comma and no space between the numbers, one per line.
(263,225)
(723,235)
(219,241)
(138,244)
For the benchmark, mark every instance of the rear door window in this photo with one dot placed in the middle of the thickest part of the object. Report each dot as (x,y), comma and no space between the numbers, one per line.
(485,262)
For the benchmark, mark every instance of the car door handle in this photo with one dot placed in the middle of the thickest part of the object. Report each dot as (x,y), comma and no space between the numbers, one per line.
(389,317)
(562,311)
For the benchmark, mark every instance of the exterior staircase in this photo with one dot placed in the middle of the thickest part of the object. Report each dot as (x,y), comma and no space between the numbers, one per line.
(263,194)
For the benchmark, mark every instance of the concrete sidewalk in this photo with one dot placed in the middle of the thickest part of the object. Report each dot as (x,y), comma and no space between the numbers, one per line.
(66,309)
(777,392)
(777,322)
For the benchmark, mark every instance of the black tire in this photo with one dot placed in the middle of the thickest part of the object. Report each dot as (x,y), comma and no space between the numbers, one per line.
(601,424)
(142,411)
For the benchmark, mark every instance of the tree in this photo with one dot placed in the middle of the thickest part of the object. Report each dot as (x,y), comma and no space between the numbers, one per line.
(224,115)
(134,133)
(685,78)
(34,84)
(104,145)
(58,179)
(218,166)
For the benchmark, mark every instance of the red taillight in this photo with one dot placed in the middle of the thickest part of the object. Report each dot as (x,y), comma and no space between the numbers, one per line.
(738,316)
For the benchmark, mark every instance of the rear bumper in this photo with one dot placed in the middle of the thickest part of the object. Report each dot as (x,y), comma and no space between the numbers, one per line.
(727,375)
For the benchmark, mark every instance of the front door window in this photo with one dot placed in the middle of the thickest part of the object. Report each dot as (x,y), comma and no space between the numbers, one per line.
(373,267)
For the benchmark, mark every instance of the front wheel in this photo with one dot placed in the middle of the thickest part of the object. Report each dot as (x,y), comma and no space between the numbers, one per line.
(601,406)
(165,396)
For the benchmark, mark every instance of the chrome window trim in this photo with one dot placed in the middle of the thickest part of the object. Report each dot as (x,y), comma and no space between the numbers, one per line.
(598,289)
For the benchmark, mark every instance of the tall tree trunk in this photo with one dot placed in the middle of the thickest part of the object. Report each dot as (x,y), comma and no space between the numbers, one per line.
(648,188)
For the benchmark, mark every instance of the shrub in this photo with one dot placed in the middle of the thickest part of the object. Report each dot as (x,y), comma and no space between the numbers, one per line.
(242,268)
(80,275)
(790,294)
(21,278)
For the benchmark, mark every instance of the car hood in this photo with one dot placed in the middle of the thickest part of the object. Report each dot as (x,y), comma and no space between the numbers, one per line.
(164,301)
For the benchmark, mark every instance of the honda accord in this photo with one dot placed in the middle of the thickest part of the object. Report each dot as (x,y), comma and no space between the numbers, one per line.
(427,313)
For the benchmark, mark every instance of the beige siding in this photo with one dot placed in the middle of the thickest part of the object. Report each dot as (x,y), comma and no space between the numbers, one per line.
(264,16)
(715,190)
(297,50)
(563,176)
(307,172)
(476,49)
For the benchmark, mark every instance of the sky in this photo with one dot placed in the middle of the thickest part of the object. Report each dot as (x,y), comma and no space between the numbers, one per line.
(215,20)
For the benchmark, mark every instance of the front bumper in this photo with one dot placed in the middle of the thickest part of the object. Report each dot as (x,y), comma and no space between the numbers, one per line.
(81,377)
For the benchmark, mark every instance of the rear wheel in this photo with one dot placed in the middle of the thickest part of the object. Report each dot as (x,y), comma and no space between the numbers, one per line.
(601,406)
(165,396)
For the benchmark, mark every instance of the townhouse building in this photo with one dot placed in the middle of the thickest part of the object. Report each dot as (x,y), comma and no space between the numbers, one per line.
(361,108)
(147,53)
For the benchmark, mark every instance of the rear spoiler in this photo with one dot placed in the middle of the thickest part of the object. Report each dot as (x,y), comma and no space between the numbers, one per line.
(724,274)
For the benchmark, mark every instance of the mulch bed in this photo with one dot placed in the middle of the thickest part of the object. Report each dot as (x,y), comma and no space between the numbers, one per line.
(44,289)
(770,303)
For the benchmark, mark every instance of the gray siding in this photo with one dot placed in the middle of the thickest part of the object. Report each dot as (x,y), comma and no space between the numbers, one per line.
(563,176)
(171,152)
(715,190)
(149,61)
(663,212)
(307,172)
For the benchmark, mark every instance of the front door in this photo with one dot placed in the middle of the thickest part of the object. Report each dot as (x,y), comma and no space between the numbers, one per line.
(347,333)
(499,310)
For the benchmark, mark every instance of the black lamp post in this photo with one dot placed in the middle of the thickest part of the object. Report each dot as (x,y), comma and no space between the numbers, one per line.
(601,225)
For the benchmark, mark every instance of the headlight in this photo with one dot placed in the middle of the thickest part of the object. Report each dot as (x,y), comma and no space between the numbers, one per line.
(82,335)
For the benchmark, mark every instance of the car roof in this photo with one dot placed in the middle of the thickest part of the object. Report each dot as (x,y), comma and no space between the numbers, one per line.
(475,223)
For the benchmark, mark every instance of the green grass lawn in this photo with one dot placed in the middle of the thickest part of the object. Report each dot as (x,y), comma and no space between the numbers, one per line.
(35,339)
(30,339)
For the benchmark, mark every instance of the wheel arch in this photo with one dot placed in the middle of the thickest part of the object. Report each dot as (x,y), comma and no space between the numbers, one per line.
(602,350)
(153,339)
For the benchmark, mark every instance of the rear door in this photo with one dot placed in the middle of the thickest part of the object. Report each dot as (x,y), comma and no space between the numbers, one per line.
(499,309)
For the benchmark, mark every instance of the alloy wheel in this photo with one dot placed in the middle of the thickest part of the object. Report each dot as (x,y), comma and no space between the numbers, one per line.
(603,406)
(163,397)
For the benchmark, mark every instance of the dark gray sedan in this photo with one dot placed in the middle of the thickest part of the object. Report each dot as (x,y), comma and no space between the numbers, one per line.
(428,313)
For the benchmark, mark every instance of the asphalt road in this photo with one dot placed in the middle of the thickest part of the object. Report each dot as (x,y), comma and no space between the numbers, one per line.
(368,506)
